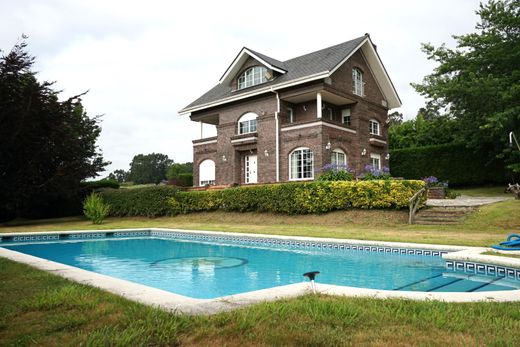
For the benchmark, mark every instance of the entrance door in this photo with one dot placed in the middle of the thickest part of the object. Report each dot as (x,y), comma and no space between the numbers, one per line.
(251,167)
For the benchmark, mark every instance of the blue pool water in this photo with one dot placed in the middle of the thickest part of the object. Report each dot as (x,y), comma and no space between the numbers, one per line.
(206,270)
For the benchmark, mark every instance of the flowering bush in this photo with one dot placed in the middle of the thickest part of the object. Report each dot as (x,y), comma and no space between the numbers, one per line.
(433,181)
(373,173)
(336,172)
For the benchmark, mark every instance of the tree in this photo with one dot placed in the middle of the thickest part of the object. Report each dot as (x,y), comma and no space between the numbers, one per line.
(478,83)
(119,175)
(422,132)
(149,168)
(395,118)
(176,169)
(47,146)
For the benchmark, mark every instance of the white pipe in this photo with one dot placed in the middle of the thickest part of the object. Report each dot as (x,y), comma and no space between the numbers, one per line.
(277,137)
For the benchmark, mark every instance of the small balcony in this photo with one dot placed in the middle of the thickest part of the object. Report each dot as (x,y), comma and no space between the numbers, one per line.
(244,139)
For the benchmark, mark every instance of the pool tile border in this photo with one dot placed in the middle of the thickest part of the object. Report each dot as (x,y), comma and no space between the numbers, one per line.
(460,257)
(216,236)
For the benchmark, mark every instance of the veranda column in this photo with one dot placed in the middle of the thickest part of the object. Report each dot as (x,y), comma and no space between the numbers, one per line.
(318,105)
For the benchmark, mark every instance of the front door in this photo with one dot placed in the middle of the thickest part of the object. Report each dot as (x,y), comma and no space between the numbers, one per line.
(251,167)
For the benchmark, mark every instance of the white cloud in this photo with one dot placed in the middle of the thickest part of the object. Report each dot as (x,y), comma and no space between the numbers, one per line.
(143,61)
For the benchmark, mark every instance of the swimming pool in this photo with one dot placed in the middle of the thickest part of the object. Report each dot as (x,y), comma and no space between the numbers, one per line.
(208,266)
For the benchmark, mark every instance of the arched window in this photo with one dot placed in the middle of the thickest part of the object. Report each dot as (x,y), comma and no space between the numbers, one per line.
(357,82)
(339,159)
(373,127)
(247,123)
(207,172)
(252,76)
(301,164)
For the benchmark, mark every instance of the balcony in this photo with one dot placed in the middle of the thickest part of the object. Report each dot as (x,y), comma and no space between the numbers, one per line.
(244,139)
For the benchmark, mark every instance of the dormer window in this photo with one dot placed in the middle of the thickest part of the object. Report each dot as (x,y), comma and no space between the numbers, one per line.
(252,76)
(357,82)
(247,123)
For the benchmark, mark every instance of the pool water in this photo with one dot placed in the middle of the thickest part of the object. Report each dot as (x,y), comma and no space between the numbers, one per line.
(207,270)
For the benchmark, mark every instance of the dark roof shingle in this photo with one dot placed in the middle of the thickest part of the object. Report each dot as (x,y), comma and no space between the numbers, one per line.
(306,65)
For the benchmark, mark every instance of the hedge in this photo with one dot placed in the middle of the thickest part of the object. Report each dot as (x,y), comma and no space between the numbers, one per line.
(289,198)
(450,162)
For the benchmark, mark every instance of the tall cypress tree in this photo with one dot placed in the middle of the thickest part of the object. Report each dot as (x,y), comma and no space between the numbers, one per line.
(47,146)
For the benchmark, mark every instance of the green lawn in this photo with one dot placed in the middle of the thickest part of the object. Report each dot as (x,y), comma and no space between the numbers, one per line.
(484,191)
(38,308)
(489,225)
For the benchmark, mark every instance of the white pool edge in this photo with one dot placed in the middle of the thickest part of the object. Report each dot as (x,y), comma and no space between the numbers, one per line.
(183,304)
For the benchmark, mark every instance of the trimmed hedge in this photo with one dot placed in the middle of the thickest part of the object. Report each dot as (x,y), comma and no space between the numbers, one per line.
(289,198)
(450,162)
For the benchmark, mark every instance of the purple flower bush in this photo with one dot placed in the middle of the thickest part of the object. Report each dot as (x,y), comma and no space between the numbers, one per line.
(336,172)
(374,173)
(433,181)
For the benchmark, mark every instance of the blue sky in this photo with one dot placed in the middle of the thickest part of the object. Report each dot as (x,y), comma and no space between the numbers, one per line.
(144,60)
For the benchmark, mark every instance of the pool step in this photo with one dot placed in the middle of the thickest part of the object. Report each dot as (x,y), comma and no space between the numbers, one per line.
(440,215)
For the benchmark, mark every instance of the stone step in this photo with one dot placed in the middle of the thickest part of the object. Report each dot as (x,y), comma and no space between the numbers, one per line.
(441,215)
(438,220)
(424,222)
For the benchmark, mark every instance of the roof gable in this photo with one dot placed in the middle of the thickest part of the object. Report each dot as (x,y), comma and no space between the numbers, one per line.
(242,57)
(312,66)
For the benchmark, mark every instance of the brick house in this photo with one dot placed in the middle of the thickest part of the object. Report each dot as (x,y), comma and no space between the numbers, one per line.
(282,121)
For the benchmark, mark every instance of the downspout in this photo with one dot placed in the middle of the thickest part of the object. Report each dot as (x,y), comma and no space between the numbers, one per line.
(277,137)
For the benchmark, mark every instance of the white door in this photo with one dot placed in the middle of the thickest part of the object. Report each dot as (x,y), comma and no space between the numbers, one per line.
(251,167)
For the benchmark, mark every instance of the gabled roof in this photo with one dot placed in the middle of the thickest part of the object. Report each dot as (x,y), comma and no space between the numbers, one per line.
(312,66)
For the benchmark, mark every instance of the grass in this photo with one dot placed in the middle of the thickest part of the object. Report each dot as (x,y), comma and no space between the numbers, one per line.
(38,308)
(489,225)
(488,191)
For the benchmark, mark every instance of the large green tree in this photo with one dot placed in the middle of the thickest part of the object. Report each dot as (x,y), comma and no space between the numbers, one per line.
(47,146)
(478,83)
(149,168)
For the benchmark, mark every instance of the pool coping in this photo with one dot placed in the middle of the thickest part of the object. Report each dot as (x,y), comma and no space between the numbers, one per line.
(183,304)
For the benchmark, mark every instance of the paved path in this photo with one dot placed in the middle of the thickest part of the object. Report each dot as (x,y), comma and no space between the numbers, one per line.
(466,201)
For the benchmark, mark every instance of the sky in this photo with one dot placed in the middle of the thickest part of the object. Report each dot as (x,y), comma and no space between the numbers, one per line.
(142,61)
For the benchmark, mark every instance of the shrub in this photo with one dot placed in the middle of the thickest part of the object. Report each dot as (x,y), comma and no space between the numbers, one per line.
(95,208)
(104,183)
(335,172)
(147,201)
(288,198)
(450,162)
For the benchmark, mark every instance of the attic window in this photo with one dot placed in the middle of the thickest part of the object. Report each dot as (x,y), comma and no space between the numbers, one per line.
(252,76)
(358,85)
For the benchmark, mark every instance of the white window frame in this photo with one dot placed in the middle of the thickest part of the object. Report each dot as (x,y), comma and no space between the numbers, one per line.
(290,112)
(302,173)
(251,77)
(374,128)
(373,157)
(358,86)
(210,179)
(345,113)
(248,123)
(336,154)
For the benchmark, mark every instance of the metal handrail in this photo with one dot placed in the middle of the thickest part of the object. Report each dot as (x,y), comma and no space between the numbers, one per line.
(413,203)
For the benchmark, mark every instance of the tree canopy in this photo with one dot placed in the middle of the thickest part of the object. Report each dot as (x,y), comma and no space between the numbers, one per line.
(478,83)
(47,146)
(149,168)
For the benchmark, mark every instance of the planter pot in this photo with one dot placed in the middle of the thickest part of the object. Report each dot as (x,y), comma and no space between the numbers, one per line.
(436,193)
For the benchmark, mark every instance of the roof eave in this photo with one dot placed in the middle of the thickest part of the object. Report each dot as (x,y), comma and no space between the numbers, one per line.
(317,76)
